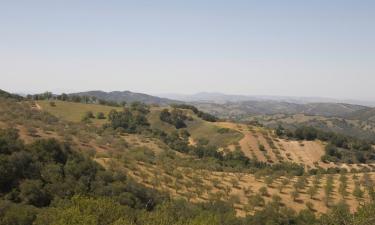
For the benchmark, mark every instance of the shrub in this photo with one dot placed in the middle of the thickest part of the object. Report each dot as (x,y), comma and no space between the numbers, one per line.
(100,116)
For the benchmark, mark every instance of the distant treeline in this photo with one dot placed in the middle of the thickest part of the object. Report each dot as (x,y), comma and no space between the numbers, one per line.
(5,94)
(74,98)
(340,148)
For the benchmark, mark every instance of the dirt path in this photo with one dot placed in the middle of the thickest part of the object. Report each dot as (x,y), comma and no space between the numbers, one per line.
(38,106)
(35,105)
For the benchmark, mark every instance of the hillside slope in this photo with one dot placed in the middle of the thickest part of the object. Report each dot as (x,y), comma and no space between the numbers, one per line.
(364,115)
(358,124)
(149,161)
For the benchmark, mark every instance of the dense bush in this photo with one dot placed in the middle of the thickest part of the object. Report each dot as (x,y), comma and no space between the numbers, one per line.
(205,116)
(176,117)
(46,170)
(4,94)
(128,120)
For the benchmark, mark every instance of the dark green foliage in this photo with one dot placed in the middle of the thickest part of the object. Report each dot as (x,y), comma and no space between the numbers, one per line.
(9,141)
(87,117)
(306,133)
(176,117)
(280,131)
(275,214)
(223,130)
(47,170)
(139,107)
(4,94)
(175,140)
(130,121)
(16,214)
(205,116)
(89,114)
(340,214)
(332,153)
(74,98)
(100,116)
(32,192)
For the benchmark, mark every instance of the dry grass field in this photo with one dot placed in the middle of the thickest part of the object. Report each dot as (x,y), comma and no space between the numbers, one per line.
(74,112)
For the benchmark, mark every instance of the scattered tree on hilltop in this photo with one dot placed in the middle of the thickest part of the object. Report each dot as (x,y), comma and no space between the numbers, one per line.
(205,116)
(176,117)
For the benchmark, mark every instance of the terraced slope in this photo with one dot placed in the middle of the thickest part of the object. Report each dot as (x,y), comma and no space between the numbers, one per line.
(263,145)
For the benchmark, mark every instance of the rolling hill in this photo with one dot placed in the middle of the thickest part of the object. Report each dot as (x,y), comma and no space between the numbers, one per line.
(251,108)
(363,115)
(247,168)
(220,98)
(127,96)
(350,125)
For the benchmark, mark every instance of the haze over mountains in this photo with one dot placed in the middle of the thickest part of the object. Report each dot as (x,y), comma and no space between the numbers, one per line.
(127,96)
(327,114)
(238,105)
(216,97)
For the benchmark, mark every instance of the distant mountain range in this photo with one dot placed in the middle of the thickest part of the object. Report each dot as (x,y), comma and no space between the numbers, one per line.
(127,96)
(232,106)
(268,107)
(220,98)
(240,106)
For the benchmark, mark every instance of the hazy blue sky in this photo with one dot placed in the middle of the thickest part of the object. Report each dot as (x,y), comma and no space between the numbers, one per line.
(291,48)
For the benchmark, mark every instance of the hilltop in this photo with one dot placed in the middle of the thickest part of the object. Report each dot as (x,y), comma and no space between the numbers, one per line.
(126,96)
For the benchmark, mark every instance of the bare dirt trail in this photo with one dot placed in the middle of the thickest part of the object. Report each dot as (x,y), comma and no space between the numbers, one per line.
(38,106)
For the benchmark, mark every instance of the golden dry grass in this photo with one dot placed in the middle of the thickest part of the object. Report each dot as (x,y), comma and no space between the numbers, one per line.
(74,112)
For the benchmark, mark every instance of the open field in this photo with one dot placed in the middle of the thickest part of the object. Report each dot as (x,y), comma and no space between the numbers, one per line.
(74,112)
(200,129)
